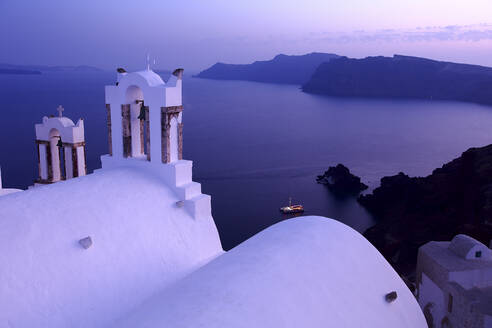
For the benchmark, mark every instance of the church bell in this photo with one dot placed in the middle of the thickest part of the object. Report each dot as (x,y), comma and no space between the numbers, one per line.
(141,117)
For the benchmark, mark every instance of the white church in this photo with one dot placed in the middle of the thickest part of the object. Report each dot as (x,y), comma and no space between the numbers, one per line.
(135,245)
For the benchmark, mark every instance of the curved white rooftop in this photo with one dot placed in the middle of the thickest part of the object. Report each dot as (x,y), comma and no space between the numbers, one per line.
(151,77)
(142,242)
(304,272)
(66,121)
(467,247)
(68,131)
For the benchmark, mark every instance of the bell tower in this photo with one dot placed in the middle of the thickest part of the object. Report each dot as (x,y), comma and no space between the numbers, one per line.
(61,148)
(145,131)
(144,116)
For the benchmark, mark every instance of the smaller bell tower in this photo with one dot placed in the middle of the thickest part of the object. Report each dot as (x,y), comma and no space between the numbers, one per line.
(61,148)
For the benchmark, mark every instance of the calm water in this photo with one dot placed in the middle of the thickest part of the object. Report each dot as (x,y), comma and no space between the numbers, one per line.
(254,144)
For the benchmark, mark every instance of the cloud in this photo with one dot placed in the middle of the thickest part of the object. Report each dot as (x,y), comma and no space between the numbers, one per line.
(472,33)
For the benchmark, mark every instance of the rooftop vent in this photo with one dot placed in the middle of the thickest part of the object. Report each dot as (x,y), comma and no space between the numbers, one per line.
(86,242)
(391,297)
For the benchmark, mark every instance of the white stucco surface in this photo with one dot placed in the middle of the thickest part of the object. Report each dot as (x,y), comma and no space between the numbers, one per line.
(142,242)
(304,272)
(432,296)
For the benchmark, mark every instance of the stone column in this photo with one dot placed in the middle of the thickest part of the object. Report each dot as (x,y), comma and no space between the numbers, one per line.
(54,152)
(78,160)
(110,138)
(147,131)
(49,162)
(42,159)
(81,165)
(180,141)
(75,162)
(165,136)
(127,134)
(167,114)
(85,160)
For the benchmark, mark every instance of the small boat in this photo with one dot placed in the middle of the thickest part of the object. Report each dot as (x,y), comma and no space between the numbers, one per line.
(292,208)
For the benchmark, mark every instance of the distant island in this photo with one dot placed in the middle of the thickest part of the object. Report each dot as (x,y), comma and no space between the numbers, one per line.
(410,212)
(281,69)
(38,69)
(402,77)
(17,71)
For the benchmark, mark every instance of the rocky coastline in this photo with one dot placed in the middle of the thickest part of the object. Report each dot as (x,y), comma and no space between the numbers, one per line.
(339,180)
(411,211)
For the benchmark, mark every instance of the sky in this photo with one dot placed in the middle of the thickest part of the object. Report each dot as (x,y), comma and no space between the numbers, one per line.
(195,34)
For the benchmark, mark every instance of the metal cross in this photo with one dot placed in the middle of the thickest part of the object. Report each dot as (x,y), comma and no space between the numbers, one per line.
(60,110)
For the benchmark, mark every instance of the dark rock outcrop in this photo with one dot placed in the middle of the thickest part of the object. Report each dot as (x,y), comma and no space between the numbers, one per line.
(410,212)
(402,77)
(281,69)
(340,180)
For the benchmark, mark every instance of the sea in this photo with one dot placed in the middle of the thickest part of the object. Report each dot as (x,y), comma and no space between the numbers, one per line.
(254,145)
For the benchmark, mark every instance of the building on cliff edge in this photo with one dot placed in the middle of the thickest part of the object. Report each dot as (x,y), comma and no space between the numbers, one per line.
(454,283)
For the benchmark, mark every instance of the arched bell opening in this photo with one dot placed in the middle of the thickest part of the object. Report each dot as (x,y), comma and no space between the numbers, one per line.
(135,120)
(55,164)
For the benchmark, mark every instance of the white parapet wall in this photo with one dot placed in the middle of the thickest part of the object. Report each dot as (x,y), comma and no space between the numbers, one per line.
(176,175)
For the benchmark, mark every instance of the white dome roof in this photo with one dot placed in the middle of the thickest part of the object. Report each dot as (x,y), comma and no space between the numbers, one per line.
(304,272)
(65,121)
(151,77)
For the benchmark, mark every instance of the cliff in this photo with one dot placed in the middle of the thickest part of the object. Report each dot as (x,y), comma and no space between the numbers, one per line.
(281,69)
(402,77)
(456,198)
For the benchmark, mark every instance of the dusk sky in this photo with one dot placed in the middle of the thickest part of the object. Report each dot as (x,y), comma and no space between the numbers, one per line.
(196,34)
